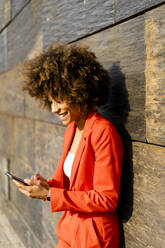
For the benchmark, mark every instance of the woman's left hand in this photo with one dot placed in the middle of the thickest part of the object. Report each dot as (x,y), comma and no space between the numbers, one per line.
(36,189)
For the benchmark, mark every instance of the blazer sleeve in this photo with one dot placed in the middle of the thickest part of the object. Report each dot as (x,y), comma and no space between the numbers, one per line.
(108,152)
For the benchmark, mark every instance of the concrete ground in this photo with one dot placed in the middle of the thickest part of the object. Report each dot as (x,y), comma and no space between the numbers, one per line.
(8,237)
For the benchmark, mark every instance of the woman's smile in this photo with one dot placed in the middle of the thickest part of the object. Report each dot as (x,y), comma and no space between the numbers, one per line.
(63,110)
(63,116)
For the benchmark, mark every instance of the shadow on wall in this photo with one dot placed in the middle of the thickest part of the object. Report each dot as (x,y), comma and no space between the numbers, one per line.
(116,110)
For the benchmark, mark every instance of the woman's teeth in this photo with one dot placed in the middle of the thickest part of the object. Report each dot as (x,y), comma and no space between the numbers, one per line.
(63,115)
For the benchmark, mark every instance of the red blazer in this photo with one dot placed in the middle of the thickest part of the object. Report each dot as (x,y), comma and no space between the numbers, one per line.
(91,196)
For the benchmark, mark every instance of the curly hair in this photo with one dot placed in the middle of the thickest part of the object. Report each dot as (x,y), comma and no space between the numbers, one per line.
(66,73)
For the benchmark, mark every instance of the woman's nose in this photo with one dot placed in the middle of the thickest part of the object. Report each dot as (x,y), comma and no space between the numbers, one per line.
(54,107)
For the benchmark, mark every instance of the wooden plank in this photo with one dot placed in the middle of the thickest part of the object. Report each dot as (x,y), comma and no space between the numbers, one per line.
(128,8)
(5,16)
(99,14)
(11,95)
(63,20)
(69,20)
(148,217)
(155,76)
(4,181)
(3,51)
(121,50)
(24,141)
(24,34)
(17,6)
(6,134)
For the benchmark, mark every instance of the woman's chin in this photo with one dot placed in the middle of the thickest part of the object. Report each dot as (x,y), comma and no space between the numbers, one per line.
(65,121)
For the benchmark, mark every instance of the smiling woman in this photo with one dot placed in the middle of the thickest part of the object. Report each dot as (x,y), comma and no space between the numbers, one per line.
(67,114)
(70,82)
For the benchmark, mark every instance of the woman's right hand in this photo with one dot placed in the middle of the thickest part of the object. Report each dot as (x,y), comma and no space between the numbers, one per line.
(37,187)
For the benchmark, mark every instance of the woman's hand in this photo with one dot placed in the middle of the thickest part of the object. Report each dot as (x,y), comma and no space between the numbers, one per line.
(38,187)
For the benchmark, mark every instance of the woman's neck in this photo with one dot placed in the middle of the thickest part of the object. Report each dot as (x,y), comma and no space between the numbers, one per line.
(81,122)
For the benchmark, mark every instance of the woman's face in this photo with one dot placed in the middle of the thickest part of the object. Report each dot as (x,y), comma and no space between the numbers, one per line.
(66,113)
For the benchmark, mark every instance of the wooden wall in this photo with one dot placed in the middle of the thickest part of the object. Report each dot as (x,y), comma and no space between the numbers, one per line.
(128,38)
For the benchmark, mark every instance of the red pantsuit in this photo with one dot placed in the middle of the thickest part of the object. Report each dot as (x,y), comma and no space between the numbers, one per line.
(90,198)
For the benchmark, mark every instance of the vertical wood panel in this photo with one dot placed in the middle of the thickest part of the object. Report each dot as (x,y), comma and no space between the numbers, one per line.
(147,225)
(155,76)
(5,16)
(3,51)
(121,50)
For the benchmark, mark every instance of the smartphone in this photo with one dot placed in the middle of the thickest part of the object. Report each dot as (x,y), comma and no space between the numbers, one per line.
(16,178)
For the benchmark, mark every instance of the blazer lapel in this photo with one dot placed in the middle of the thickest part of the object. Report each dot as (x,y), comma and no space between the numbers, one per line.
(59,173)
(68,139)
(76,161)
(81,147)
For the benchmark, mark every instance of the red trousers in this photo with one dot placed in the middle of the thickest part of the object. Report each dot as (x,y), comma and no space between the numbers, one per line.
(76,231)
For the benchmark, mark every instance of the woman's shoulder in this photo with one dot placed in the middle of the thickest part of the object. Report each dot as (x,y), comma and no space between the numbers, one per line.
(101,122)
(103,127)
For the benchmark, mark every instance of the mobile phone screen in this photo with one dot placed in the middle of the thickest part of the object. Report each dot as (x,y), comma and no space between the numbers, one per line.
(16,178)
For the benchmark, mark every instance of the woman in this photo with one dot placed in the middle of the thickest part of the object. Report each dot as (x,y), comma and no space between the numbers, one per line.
(86,184)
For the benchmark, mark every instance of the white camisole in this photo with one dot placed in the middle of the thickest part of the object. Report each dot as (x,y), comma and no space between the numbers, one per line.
(68,164)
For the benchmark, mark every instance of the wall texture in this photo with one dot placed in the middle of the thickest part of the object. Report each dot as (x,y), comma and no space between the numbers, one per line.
(128,38)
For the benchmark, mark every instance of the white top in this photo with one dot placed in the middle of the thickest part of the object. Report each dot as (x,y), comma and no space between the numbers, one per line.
(68,164)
